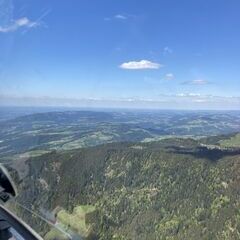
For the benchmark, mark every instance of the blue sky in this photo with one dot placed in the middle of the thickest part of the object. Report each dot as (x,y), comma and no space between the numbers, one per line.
(128,53)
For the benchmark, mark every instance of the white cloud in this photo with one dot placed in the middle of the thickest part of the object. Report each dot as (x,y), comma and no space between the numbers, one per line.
(206,98)
(169,76)
(24,23)
(197,82)
(19,23)
(188,95)
(143,64)
(121,17)
(200,100)
(167,50)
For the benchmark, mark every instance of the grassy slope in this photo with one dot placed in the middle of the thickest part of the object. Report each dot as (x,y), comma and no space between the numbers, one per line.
(76,219)
(234,141)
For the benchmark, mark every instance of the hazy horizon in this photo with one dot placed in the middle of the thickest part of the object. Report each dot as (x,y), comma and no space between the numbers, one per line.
(166,102)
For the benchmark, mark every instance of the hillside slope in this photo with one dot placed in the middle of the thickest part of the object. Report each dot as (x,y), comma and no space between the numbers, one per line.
(171,189)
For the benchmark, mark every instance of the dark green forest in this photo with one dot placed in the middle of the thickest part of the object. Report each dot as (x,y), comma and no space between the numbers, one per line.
(170,189)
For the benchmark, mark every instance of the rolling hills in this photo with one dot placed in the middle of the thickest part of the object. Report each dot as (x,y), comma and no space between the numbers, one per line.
(34,134)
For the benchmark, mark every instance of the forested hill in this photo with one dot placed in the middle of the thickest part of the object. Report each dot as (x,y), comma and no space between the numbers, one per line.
(171,189)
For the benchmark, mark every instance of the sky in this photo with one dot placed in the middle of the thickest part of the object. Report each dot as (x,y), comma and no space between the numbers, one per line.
(165,54)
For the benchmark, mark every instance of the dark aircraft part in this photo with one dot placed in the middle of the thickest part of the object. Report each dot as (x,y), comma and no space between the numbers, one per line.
(7,186)
(11,227)
(4,229)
